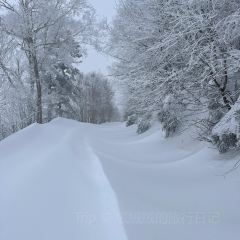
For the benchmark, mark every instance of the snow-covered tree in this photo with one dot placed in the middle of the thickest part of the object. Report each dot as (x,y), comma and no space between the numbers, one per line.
(179,61)
(43,29)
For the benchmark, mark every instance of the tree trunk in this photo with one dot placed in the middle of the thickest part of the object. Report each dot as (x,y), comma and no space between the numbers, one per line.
(35,76)
(224,87)
(39,90)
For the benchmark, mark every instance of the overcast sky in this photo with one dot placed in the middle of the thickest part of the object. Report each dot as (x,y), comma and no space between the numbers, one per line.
(96,61)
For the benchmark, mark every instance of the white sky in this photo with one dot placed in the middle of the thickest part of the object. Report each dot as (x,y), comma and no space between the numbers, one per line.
(97,61)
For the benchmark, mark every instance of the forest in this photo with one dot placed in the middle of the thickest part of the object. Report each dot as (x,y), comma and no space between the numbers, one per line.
(41,44)
(178,61)
(175,62)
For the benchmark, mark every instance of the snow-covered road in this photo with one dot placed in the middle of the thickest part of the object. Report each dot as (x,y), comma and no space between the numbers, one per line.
(67,180)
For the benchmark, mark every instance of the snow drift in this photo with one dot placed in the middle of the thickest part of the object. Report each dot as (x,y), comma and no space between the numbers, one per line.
(68,180)
(52,186)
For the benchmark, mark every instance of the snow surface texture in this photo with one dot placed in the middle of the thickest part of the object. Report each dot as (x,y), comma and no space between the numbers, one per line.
(67,180)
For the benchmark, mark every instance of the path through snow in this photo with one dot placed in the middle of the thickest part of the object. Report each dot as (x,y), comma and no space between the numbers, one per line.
(67,180)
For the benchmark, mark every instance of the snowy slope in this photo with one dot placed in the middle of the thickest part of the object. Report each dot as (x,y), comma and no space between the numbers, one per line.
(52,186)
(69,180)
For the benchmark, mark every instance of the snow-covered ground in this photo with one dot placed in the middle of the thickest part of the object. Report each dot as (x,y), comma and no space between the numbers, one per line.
(67,180)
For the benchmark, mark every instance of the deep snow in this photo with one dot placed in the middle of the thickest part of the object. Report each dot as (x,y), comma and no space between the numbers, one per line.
(67,180)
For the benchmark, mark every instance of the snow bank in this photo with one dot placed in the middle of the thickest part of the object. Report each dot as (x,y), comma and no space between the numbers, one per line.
(230,123)
(52,186)
(226,133)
